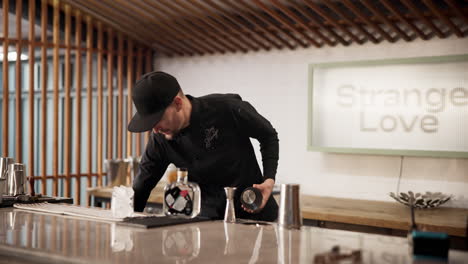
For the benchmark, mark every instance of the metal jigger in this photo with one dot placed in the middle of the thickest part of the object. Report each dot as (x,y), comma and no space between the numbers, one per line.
(230,213)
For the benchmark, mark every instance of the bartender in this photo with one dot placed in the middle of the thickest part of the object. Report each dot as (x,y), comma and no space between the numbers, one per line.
(208,135)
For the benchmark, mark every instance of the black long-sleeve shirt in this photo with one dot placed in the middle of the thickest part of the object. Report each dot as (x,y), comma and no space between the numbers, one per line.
(215,148)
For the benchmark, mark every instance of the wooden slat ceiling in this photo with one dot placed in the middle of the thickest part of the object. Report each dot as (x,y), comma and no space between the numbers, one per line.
(199,27)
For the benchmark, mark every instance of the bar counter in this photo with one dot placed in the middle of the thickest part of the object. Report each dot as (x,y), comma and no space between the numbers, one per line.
(379,214)
(44,238)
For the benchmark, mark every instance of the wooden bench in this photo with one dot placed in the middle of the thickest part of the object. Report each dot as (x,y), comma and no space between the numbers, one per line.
(390,215)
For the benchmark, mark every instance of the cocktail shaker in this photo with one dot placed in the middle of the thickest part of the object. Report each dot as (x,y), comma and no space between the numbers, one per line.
(4,162)
(290,216)
(251,198)
(117,170)
(17,179)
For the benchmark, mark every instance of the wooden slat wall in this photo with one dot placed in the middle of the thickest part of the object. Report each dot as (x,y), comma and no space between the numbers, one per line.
(139,71)
(100,104)
(5,81)
(79,84)
(19,130)
(130,136)
(55,87)
(44,69)
(31,98)
(72,40)
(194,27)
(89,94)
(67,125)
(110,94)
(121,95)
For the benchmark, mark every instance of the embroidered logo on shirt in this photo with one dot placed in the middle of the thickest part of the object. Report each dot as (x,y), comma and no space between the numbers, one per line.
(210,135)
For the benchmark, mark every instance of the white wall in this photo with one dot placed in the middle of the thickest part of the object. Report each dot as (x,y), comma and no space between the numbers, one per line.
(275,83)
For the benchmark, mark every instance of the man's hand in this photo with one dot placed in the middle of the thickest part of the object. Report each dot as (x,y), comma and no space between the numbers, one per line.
(265,188)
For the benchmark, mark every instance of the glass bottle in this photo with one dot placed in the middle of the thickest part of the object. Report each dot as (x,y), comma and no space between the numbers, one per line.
(182,198)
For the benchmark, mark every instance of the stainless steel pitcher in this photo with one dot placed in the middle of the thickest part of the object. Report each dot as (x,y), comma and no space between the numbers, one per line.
(117,171)
(17,179)
(134,168)
(4,163)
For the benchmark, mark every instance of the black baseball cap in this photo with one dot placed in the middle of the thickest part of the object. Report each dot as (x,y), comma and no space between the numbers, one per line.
(152,94)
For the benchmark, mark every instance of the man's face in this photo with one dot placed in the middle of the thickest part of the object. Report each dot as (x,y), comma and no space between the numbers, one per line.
(170,123)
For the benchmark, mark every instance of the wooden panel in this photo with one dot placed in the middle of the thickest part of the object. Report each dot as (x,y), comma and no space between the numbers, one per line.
(5,121)
(253,43)
(130,59)
(120,97)
(241,29)
(123,23)
(99,105)
(113,21)
(79,86)
(245,6)
(193,29)
(350,21)
(31,97)
(314,21)
(367,20)
(299,21)
(182,29)
(385,20)
(423,18)
(148,68)
(61,55)
(403,19)
(55,87)
(44,69)
(214,27)
(89,96)
(110,94)
(187,28)
(131,10)
(288,25)
(455,7)
(67,117)
(139,69)
(63,176)
(443,17)
(320,11)
(240,23)
(18,89)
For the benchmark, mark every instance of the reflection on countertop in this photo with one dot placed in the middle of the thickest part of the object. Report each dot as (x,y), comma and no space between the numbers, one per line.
(44,237)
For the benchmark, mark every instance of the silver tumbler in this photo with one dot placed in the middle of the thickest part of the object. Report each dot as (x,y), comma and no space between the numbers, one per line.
(17,179)
(290,216)
(117,171)
(134,167)
(4,162)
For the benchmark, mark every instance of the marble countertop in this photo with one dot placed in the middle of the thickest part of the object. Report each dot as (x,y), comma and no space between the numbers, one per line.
(39,237)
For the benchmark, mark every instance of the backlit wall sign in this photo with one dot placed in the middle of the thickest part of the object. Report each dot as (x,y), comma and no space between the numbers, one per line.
(400,107)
